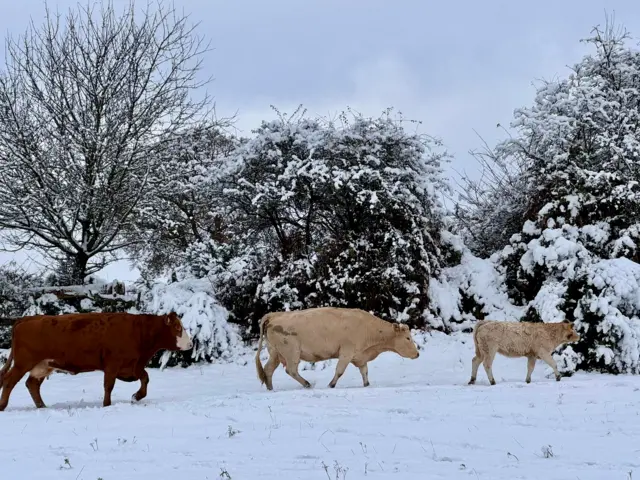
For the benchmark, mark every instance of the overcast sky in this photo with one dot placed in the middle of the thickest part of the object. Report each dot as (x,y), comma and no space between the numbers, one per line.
(456,66)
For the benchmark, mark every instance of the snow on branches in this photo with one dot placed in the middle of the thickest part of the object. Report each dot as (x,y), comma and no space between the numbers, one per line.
(576,255)
(324,214)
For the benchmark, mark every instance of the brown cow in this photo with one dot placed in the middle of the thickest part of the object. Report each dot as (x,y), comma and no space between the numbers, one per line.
(518,339)
(119,344)
(317,334)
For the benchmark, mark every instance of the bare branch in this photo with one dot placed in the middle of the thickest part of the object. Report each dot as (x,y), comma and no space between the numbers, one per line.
(83,100)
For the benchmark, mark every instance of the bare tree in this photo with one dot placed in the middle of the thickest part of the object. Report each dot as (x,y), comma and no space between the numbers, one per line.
(493,208)
(83,99)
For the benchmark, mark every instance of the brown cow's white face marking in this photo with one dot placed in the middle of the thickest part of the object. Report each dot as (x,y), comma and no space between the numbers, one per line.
(183,342)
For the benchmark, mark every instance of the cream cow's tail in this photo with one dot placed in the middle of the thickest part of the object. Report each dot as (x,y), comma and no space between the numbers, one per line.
(263,325)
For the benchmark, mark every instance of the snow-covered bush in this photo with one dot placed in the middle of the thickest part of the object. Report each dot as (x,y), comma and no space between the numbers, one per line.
(15,285)
(320,214)
(214,338)
(575,256)
(607,315)
(470,290)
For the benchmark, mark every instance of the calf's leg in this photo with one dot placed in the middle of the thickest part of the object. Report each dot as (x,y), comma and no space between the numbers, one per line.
(546,356)
(487,363)
(475,363)
(531,363)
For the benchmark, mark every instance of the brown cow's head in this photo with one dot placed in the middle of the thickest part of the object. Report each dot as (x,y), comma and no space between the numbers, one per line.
(183,342)
(403,344)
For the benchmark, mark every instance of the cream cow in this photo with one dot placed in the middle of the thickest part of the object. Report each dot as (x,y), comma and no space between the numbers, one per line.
(317,334)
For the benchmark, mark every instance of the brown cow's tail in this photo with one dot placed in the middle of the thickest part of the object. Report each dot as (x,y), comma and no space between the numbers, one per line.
(6,366)
(263,325)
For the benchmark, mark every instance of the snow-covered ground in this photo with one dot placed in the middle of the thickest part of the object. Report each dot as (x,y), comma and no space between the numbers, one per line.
(417,420)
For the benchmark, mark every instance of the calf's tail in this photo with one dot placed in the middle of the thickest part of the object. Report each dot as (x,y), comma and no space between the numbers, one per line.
(261,375)
(5,368)
(475,331)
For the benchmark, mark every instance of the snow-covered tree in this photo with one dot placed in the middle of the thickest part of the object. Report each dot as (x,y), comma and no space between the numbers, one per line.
(83,100)
(576,255)
(326,214)
(182,205)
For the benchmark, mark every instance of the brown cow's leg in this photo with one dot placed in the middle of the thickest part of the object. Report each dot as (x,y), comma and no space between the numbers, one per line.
(12,377)
(142,392)
(33,385)
(343,362)
(109,383)
(34,382)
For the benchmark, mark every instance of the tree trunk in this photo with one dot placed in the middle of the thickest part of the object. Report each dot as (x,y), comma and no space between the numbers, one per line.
(73,269)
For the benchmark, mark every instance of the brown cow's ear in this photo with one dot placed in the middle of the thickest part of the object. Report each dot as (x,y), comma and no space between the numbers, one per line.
(167,320)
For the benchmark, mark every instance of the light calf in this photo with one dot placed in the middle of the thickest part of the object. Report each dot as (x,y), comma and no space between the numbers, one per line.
(518,339)
(317,334)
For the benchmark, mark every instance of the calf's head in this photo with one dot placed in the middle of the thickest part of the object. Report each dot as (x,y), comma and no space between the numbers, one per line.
(403,344)
(183,341)
(569,335)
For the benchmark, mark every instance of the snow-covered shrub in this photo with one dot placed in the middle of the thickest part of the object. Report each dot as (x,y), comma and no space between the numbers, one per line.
(607,315)
(15,285)
(214,338)
(575,256)
(470,290)
(320,214)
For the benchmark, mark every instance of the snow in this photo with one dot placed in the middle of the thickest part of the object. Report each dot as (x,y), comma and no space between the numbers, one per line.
(417,420)
(477,278)
(202,316)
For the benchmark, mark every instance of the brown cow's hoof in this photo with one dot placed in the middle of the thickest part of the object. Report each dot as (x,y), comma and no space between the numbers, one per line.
(366,384)
(332,385)
(493,382)
(528,380)
(472,381)
(558,378)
